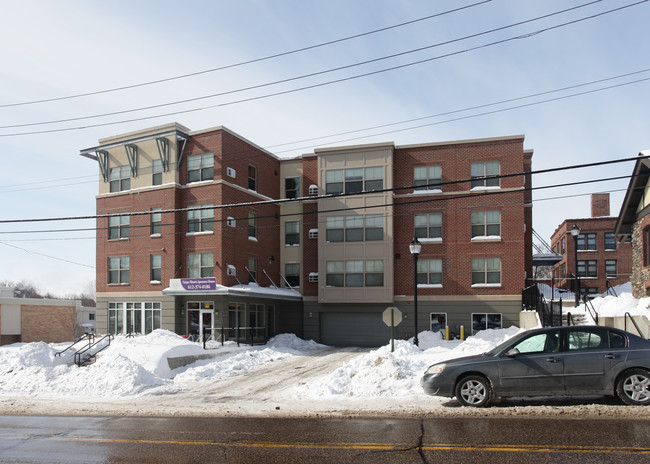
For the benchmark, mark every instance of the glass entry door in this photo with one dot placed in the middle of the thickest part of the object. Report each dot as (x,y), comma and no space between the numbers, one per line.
(207,324)
(200,320)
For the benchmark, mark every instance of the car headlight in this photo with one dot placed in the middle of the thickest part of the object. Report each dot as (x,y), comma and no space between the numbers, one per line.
(436,368)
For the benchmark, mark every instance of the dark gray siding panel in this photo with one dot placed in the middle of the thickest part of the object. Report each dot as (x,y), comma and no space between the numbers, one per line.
(353,329)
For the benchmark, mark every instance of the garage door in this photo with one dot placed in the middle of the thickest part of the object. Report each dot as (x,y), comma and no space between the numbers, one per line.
(353,329)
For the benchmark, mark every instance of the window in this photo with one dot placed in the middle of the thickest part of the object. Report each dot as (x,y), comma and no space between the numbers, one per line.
(291,187)
(252,225)
(200,219)
(118,227)
(313,277)
(540,343)
(429,272)
(292,233)
(252,270)
(200,167)
(354,228)
(156,268)
(353,180)
(156,221)
(646,247)
(563,245)
(91,316)
(486,271)
(157,170)
(120,178)
(563,270)
(359,273)
(252,178)
(438,321)
(199,265)
(588,339)
(611,268)
(588,268)
(428,177)
(482,174)
(485,321)
(373,178)
(118,270)
(428,225)
(292,274)
(587,242)
(610,241)
(486,223)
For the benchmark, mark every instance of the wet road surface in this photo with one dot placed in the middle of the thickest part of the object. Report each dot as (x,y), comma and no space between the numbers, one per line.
(52,439)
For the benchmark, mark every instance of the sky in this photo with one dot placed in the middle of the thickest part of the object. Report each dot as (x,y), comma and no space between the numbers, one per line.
(461,83)
(137,367)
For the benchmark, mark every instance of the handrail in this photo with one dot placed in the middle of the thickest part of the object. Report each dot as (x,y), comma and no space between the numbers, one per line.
(592,311)
(609,287)
(77,356)
(627,314)
(88,336)
(569,319)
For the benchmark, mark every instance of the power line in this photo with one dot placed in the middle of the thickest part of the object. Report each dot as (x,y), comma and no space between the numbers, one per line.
(295,89)
(255,60)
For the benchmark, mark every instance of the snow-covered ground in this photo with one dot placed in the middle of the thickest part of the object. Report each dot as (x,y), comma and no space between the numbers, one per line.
(287,376)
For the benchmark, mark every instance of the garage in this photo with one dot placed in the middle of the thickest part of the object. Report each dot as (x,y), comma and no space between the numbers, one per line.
(353,329)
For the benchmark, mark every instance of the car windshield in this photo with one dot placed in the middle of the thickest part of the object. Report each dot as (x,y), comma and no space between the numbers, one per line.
(497,349)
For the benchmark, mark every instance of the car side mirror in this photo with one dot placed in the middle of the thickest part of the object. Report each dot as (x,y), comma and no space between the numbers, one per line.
(511,353)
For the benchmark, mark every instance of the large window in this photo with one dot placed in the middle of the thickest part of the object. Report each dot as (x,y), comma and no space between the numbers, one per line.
(485,174)
(354,180)
(252,178)
(486,271)
(291,187)
(588,268)
(587,242)
(610,241)
(156,268)
(292,233)
(118,227)
(369,273)
(429,272)
(428,225)
(427,177)
(354,228)
(252,270)
(292,274)
(483,321)
(200,219)
(200,167)
(133,317)
(252,225)
(156,221)
(199,265)
(611,268)
(486,223)
(120,178)
(118,270)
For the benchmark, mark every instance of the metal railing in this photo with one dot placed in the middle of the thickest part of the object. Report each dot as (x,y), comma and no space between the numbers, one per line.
(89,336)
(80,359)
(636,326)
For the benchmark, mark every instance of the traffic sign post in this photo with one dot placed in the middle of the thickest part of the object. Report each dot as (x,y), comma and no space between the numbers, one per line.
(392,317)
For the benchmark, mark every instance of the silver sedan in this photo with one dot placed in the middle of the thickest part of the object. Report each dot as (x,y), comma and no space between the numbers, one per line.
(556,361)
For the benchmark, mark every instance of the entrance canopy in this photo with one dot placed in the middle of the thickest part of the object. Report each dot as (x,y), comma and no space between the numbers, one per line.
(546,259)
(209,286)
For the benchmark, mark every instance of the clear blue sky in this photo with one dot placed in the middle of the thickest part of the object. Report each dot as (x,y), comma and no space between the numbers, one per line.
(57,49)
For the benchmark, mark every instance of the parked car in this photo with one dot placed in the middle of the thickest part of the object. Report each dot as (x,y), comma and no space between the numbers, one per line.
(555,361)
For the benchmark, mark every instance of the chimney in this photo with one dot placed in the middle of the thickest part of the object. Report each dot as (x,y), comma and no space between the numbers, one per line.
(599,204)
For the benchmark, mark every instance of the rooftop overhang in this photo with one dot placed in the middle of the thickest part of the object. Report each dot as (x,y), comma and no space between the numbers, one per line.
(207,286)
(633,197)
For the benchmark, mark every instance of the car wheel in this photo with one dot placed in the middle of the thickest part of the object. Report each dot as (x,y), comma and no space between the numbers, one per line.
(633,387)
(473,390)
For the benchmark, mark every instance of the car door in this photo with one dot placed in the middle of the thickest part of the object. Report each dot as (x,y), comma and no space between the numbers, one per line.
(584,361)
(535,368)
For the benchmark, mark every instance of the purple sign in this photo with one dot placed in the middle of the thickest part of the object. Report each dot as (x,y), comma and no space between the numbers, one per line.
(203,283)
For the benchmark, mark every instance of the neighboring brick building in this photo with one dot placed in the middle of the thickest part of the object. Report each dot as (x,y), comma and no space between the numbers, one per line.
(36,320)
(633,225)
(602,260)
(206,208)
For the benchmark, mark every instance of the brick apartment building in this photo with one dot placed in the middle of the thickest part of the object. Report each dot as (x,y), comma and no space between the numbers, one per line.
(602,260)
(203,231)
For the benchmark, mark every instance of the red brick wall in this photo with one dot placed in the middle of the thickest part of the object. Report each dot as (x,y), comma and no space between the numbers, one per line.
(50,324)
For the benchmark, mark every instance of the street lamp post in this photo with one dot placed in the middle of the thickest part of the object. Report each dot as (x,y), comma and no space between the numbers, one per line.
(575,231)
(415,247)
